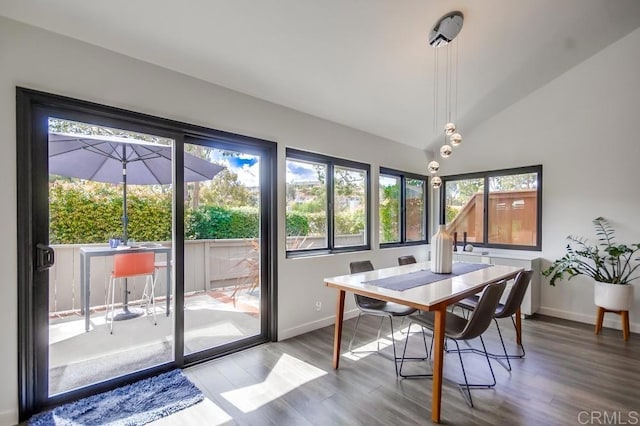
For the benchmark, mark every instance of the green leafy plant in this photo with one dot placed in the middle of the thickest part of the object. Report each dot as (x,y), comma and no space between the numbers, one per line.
(604,260)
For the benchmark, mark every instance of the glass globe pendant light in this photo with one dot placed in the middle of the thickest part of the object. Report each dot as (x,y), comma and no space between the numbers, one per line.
(455,139)
(449,129)
(436,182)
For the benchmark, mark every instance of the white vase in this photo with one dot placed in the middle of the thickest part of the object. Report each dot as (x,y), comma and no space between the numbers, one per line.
(441,251)
(614,297)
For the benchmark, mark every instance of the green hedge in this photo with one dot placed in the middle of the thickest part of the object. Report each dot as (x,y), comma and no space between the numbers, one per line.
(83,213)
(213,222)
(297,224)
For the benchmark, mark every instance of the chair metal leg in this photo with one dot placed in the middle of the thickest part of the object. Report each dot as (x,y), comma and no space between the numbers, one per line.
(468,386)
(378,350)
(355,329)
(106,303)
(354,332)
(498,357)
(393,343)
(404,358)
(380,331)
(467,395)
(148,297)
(493,376)
(514,356)
(113,303)
(507,355)
(153,298)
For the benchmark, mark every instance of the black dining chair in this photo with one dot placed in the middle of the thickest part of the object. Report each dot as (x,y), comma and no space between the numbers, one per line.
(458,328)
(380,308)
(506,310)
(406,260)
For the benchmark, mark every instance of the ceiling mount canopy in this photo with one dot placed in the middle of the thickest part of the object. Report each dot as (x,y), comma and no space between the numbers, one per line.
(446,29)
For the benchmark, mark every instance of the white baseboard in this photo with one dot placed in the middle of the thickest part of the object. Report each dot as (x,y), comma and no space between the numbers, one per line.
(313,325)
(8,418)
(610,320)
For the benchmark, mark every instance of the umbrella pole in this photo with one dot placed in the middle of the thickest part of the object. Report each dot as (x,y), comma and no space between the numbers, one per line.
(126,313)
(125,219)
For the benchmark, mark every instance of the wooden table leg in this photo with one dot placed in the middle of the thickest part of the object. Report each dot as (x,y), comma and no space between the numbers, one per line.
(337,336)
(438,361)
(519,327)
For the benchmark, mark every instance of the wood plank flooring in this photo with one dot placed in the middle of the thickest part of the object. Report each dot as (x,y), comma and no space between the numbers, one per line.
(569,376)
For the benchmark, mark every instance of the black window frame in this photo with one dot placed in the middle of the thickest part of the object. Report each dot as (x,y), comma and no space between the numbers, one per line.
(485,175)
(31,107)
(331,163)
(403,207)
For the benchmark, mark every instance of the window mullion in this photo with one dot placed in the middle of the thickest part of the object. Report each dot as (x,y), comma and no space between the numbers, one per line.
(330,206)
(403,209)
(485,212)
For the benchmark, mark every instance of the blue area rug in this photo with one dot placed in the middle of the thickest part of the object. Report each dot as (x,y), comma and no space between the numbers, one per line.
(135,404)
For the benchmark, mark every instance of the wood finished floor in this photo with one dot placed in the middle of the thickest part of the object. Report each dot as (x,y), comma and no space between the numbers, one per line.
(567,371)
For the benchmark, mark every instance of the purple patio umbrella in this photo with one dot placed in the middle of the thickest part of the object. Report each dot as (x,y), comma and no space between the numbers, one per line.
(115,159)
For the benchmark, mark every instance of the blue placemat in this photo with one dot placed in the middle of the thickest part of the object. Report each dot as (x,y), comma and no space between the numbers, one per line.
(425,276)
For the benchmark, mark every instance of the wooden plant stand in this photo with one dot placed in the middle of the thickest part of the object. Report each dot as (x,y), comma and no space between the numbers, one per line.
(624,316)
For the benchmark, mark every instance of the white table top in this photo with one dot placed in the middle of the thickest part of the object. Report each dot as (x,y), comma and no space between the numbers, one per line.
(426,297)
(106,250)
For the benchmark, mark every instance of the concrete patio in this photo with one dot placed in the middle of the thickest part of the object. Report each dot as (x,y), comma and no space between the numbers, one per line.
(211,318)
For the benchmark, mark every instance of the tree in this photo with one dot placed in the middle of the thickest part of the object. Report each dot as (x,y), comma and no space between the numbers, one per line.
(514,182)
(226,190)
(389,213)
(66,126)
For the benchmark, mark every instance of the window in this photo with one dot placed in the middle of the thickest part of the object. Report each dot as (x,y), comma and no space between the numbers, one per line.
(402,212)
(327,204)
(500,208)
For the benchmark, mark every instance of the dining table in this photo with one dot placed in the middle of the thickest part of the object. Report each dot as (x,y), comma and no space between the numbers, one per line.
(416,286)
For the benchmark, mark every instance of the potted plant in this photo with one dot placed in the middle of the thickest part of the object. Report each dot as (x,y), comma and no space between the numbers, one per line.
(611,265)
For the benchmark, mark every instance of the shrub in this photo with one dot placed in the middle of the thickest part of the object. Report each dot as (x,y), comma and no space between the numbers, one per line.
(349,223)
(297,224)
(317,223)
(82,213)
(214,222)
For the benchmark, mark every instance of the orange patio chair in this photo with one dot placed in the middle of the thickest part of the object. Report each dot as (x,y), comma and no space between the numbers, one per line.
(129,265)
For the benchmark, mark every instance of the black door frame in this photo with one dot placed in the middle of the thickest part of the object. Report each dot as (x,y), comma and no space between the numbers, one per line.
(31,130)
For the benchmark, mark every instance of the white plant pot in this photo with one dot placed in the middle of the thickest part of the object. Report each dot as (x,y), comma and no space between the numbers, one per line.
(614,297)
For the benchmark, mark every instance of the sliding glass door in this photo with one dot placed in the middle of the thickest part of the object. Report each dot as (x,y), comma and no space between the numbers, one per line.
(222,230)
(110,201)
(144,245)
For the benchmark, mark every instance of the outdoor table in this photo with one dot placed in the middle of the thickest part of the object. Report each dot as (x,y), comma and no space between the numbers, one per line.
(86,253)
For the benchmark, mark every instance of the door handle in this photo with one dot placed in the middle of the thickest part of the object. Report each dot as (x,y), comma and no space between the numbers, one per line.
(45,257)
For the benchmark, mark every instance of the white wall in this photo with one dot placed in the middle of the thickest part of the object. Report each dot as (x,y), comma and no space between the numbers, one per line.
(583,128)
(44,61)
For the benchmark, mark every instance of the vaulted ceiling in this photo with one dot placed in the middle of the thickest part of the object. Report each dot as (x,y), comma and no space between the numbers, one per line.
(362,63)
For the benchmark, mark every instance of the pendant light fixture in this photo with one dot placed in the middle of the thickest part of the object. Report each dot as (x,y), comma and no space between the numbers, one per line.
(442,35)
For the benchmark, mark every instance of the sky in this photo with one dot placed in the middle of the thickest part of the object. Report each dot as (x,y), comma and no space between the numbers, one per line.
(248,169)
(246,166)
